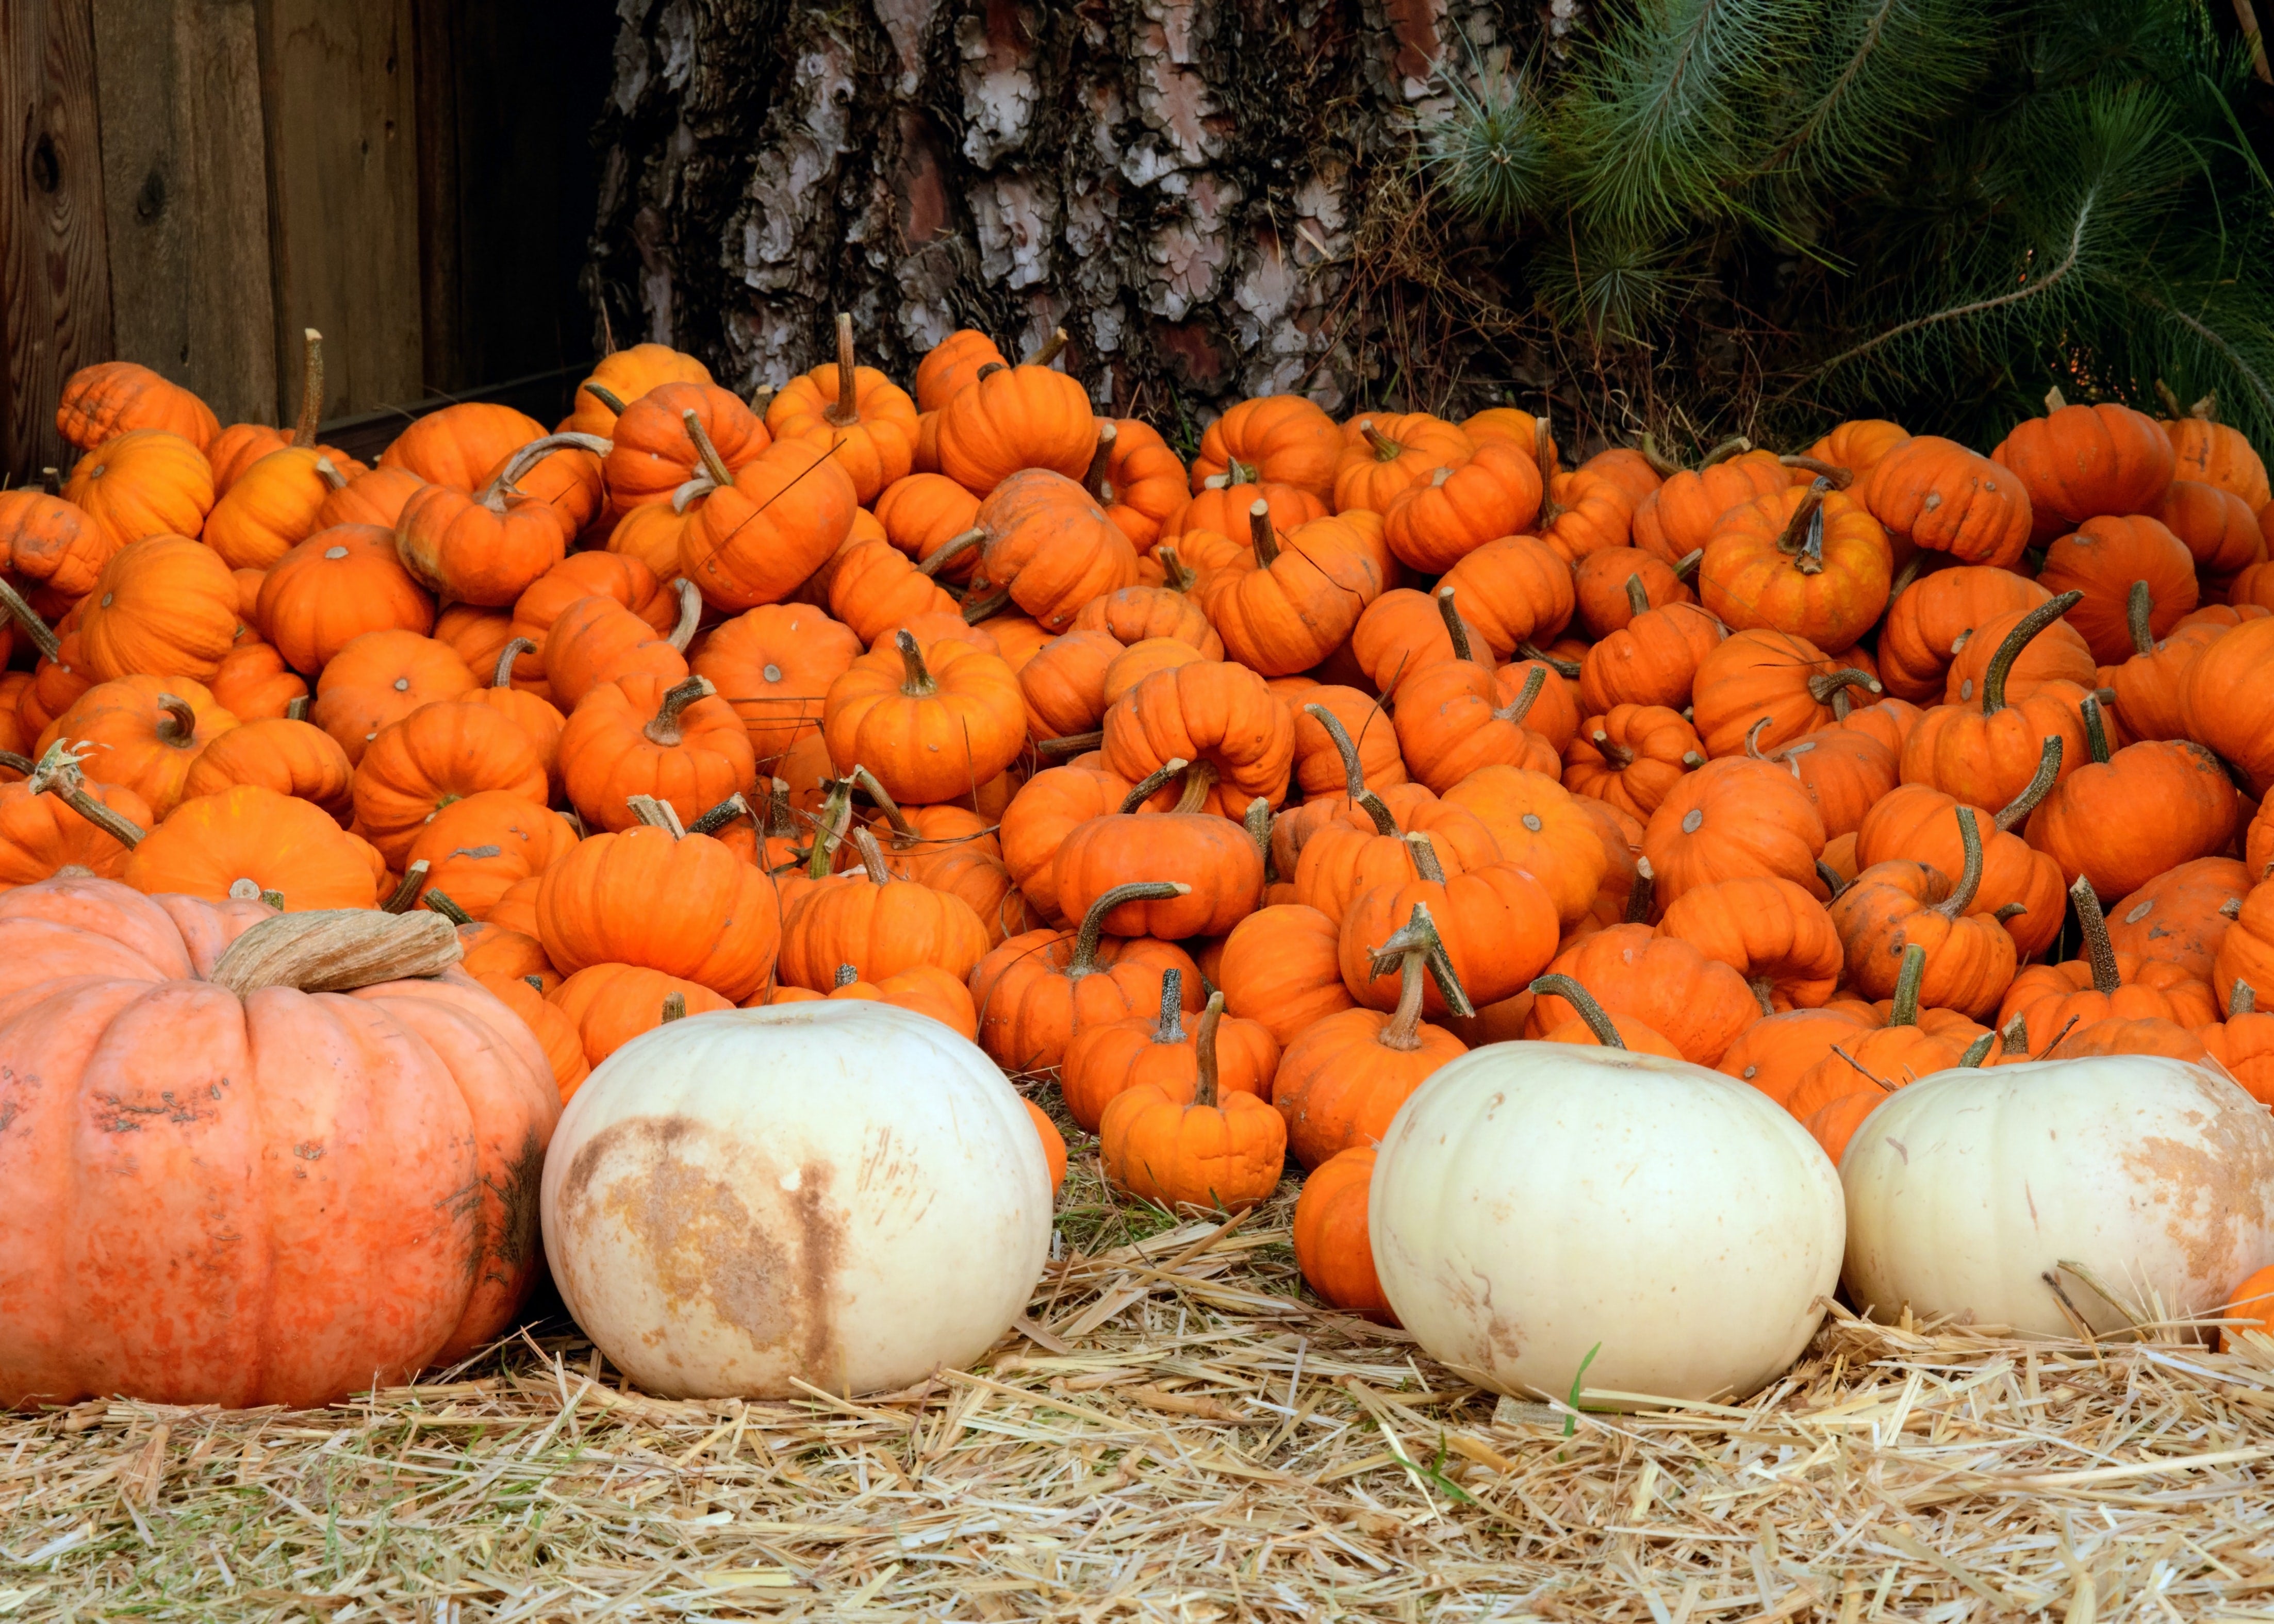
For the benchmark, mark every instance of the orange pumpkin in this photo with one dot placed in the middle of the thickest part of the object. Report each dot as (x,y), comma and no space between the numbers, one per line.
(877,923)
(2102,561)
(1216,865)
(101,402)
(164,606)
(1048,548)
(929,728)
(1935,493)
(1809,561)
(624,375)
(610,1004)
(1219,715)
(1218,1149)
(1893,906)
(1384,453)
(597,905)
(291,757)
(143,483)
(1495,926)
(768,526)
(460,445)
(774,664)
(1104,1062)
(1280,968)
(2048,999)
(434,755)
(678,743)
(1036,990)
(332,588)
(2080,461)
(1281,438)
(251,844)
(1332,1246)
(1698,1003)
(490,546)
(379,679)
(479,847)
(1986,755)
(1014,418)
(2182,914)
(143,733)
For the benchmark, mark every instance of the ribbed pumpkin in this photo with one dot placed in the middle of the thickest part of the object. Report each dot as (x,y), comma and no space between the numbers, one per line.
(597,905)
(1037,990)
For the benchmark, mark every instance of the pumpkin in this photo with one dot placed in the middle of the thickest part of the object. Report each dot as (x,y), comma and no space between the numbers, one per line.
(1810,562)
(1331,1246)
(143,483)
(1534,823)
(2230,693)
(652,454)
(1495,927)
(1217,864)
(436,756)
(2218,529)
(1937,615)
(51,542)
(1012,419)
(1291,601)
(2102,560)
(291,757)
(597,905)
(1516,592)
(1846,771)
(1698,1003)
(1756,676)
(931,992)
(1770,931)
(2181,914)
(1458,717)
(379,679)
(1893,906)
(867,421)
(1915,820)
(1321,765)
(1987,755)
(432,1105)
(1573,1181)
(1135,614)
(2122,819)
(878,924)
(2047,999)
(272,507)
(1935,493)
(1434,525)
(610,1004)
(768,525)
(250,843)
(164,606)
(1037,990)
(460,445)
(1652,660)
(1104,1062)
(333,587)
(1135,478)
(1677,519)
(374,496)
(774,665)
(1050,807)
(1734,818)
(2244,1043)
(598,640)
(1049,549)
(486,548)
(1064,684)
(1281,438)
(139,732)
(1215,1149)
(1219,717)
(101,402)
(1280,968)
(1617,584)
(43,828)
(2205,449)
(2076,1203)
(676,742)
(1632,757)
(871,1294)
(614,575)
(2244,960)
(929,726)
(1404,631)
(1384,453)
(2079,461)
(482,845)
(1775,1052)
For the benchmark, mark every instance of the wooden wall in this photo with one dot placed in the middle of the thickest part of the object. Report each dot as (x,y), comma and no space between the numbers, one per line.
(191,182)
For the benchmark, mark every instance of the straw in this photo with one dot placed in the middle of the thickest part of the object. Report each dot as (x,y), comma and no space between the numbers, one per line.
(1180,1431)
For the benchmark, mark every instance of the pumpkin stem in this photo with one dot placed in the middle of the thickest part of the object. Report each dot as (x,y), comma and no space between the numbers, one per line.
(1568,670)
(2014,1039)
(177,723)
(846,411)
(1084,961)
(2139,603)
(675,1007)
(663,730)
(2099,952)
(2206,409)
(872,857)
(1824,684)
(330,474)
(778,821)
(1071,744)
(1171,1027)
(1353,774)
(1543,454)
(1534,680)
(1413,948)
(296,709)
(1804,536)
(846,976)
(1259,535)
(2170,401)
(1047,351)
(1908,574)
(917,683)
(1424,851)
(1661,464)
(1152,784)
(311,387)
(1178,577)
(1385,449)
(502,675)
(1904,1009)
(706,451)
(1642,893)
(1969,877)
(2001,663)
(1454,629)
(2095,735)
(2243,1000)
(1095,479)
(1978,1051)
(903,832)
(1597,1020)
(492,495)
(1257,821)
(1736,445)
(2055,401)
(655,813)
(58,774)
(1832,879)
(439,902)
(1199,778)
(1753,741)
(725,813)
(337,950)
(1616,753)
(15,762)
(1686,565)
(978,604)
(607,397)
(42,636)
(2048,774)
(1637,597)
(2005,911)
(406,892)
(829,830)
(51,481)
(690,614)
(950,549)
(1204,1091)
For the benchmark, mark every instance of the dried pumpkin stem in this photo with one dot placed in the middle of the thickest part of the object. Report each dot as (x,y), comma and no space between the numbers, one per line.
(1969,877)
(2099,952)
(674,1008)
(2243,1000)
(1834,882)
(1097,477)
(1642,893)
(1071,744)
(1385,449)
(296,709)
(607,397)
(706,451)
(1260,534)
(1424,857)
(2048,774)
(2138,604)
(51,481)
(916,682)
(492,495)
(1257,821)
(1831,476)
(1904,1010)
(1413,948)
(311,387)
(1615,753)
(1637,597)
(654,813)
(1084,960)
(2005,911)
(1353,768)
(439,902)
(1199,778)
(1534,680)
(58,774)
(1686,565)
(15,762)
(981,603)
(665,729)
(177,723)
(502,676)
(1455,629)
(1568,670)
(2055,401)
(903,832)
(725,813)
(1171,1027)
(2001,663)
(1047,351)
(2170,401)
(1978,1051)
(846,411)
(779,819)
(1597,1020)
(1664,466)
(828,830)
(690,614)
(2014,1040)
(406,892)
(953,548)
(2096,732)
(1204,1091)
(1151,785)
(337,950)
(42,636)
(1824,684)
(872,857)
(1736,445)
(1177,577)
(846,975)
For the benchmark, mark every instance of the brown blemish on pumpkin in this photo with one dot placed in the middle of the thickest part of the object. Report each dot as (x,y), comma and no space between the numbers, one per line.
(2212,1189)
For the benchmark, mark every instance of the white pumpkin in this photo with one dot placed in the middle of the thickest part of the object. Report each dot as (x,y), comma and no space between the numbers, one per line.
(842,1193)
(1967,1188)
(1533,1201)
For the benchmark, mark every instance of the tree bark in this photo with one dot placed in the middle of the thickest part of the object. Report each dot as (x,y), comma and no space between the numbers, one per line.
(1192,188)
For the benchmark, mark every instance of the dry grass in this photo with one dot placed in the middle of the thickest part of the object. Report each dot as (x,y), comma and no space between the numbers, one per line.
(1177,1433)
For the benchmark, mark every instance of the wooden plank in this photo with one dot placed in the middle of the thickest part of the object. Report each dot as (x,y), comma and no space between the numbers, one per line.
(338,88)
(54,280)
(441,230)
(184,170)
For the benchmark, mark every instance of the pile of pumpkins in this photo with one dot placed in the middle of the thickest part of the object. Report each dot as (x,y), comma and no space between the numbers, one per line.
(1245,797)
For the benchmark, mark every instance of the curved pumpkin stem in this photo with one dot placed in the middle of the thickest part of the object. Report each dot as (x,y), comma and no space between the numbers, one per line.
(1084,959)
(1686,565)
(42,636)
(1661,464)
(904,833)
(1257,821)
(492,495)
(872,857)
(2099,952)
(1447,612)
(1385,449)
(607,397)
(2095,734)
(177,723)
(1199,778)
(846,411)
(829,829)
(1047,351)
(2055,401)
(1824,684)
(1637,597)
(1097,477)
(311,387)
(1179,577)
(15,762)
(1534,680)
(1568,670)
(1260,534)
(1353,772)
(1618,755)
(725,813)
(439,902)
(1978,1051)
(663,730)
(1204,1091)
(1412,949)
(1151,785)
(1642,894)
(1736,445)
(1423,851)
(58,774)
(1831,476)
(1170,1029)
(1071,744)
(1969,877)
(917,682)
(406,892)
(950,549)
(337,950)
(2138,604)
(502,675)
(980,601)
(1904,1009)
(1597,1020)
(2001,663)
(706,451)
(2048,774)
(690,614)
(1834,882)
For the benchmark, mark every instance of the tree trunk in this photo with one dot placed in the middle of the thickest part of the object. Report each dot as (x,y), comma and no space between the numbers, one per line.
(1212,198)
